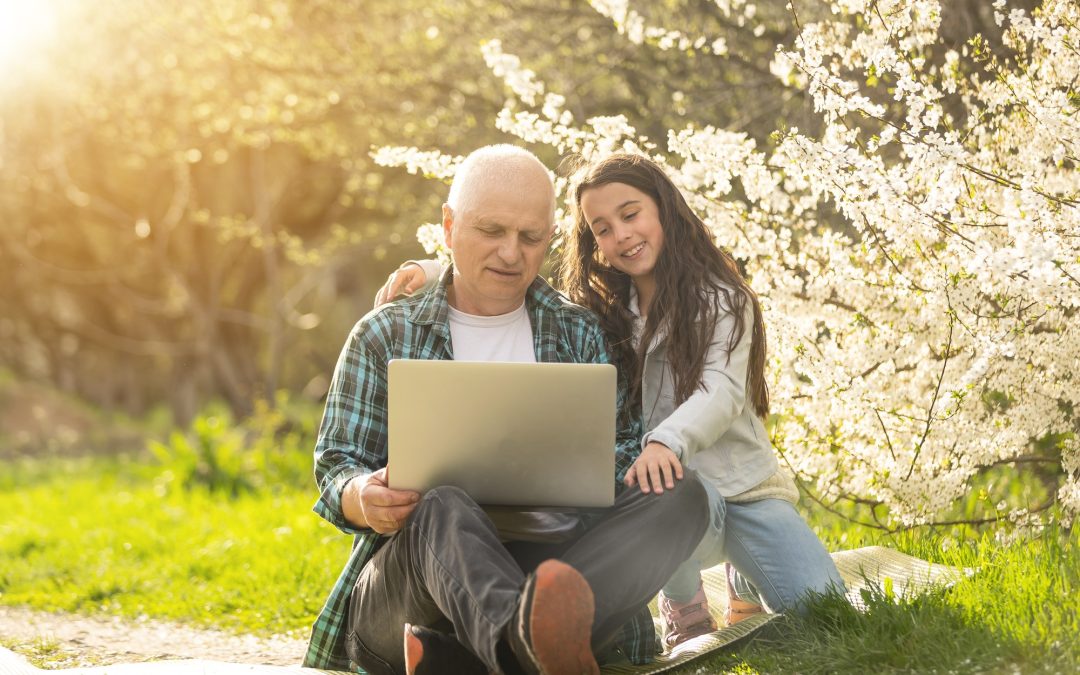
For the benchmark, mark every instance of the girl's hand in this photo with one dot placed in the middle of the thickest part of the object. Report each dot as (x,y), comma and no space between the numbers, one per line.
(655,460)
(403,281)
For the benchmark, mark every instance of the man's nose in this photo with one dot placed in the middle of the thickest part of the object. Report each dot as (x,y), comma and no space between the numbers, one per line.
(509,250)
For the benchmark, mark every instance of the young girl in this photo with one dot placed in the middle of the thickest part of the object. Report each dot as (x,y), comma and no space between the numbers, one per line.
(687,330)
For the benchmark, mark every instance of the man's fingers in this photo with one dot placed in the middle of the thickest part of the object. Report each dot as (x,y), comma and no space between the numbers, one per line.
(396,515)
(389,519)
(677,465)
(400,498)
(385,497)
(385,526)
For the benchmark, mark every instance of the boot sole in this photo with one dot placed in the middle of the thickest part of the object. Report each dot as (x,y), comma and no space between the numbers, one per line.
(560,621)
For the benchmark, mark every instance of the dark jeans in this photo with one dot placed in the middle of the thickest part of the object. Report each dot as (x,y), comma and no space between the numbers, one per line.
(447,569)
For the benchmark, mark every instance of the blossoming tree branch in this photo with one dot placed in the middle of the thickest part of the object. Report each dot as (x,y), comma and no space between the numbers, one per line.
(917,255)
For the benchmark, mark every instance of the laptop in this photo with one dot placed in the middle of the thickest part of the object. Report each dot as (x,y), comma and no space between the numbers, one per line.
(509,434)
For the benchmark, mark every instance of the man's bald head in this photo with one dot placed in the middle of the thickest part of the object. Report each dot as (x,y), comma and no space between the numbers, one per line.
(507,168)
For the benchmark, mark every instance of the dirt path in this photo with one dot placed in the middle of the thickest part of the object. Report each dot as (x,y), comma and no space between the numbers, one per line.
(65,640)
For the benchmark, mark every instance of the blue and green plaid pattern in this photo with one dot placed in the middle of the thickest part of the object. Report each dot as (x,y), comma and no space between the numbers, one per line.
(352,437)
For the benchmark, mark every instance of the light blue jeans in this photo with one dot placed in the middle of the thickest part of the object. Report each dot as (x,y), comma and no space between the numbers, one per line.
(778,558)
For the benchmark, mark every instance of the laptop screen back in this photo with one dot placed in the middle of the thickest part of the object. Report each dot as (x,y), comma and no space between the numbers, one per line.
(509,434)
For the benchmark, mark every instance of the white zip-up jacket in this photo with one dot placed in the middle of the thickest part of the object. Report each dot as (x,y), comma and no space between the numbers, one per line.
(715,431)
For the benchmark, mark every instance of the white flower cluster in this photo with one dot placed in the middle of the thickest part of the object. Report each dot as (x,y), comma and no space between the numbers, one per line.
(433,164)
(932,333)
(521,81)
(938,338)
(634,26)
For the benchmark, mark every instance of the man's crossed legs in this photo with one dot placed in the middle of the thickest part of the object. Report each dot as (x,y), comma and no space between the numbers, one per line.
(447,569)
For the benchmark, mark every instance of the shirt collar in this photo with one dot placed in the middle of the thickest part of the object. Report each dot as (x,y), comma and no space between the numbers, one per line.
(433,308)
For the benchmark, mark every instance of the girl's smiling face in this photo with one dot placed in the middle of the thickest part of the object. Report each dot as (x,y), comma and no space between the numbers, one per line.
(625,222)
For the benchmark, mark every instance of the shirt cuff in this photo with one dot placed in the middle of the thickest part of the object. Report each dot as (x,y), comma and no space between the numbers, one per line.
(329,504)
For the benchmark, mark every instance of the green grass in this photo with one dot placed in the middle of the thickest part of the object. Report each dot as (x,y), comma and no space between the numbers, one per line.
(1019,612)
(97,536)
(128,538)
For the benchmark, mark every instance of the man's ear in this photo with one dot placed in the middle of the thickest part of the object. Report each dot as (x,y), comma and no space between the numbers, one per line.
(448,225)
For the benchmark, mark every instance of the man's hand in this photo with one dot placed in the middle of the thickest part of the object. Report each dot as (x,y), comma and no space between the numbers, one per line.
(404,281)
(370,503)
(655,461)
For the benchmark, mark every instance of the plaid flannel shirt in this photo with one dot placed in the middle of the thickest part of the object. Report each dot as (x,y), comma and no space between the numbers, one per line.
(352,436)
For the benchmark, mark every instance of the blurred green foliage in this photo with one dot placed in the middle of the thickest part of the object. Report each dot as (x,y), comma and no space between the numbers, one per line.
(268,451)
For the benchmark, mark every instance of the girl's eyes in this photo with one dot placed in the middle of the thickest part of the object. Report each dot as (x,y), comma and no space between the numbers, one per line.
(629,216)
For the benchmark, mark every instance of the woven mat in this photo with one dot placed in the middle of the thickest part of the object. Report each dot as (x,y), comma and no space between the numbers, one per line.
(861,568)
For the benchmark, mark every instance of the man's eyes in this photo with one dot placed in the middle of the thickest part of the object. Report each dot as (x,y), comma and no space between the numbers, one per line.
(527,238)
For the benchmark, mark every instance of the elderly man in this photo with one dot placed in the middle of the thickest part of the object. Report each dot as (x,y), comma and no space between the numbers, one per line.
(433,583)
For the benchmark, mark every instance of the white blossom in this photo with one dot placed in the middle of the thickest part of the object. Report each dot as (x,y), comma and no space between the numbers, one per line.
(634,26)
(934,333)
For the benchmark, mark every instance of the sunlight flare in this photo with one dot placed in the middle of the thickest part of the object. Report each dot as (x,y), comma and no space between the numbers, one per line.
(25,26)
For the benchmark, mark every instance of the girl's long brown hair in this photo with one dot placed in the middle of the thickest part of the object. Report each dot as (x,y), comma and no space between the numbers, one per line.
(692,275)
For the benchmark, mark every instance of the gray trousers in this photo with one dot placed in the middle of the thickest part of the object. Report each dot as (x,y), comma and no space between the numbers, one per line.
(447,569)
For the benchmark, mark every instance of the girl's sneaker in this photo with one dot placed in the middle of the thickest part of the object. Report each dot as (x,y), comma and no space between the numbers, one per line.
(685,620)
(737,610)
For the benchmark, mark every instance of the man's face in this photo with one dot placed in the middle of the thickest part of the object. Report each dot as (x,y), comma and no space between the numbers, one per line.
(499,243)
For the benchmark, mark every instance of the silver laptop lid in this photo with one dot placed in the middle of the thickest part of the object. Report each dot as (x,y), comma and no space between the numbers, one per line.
(510,434)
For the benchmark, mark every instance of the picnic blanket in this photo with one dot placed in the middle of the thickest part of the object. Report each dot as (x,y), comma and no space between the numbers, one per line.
(861,569)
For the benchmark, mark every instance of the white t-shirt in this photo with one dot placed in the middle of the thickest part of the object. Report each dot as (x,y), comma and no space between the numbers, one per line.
(506,337)
(509,338)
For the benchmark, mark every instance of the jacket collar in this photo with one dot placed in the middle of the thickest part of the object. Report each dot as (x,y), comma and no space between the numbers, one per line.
(639,324)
